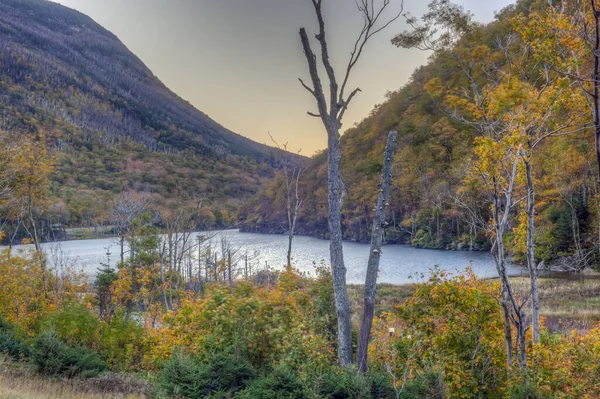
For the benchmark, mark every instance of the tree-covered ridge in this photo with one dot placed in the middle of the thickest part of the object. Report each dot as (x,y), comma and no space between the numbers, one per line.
(113,124)
(435,202)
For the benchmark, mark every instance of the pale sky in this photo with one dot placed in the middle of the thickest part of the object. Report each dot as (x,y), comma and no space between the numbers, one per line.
(239,60)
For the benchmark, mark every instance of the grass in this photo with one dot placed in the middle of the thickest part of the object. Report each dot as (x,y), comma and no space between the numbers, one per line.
(567,302)
(18,382)
(388,296)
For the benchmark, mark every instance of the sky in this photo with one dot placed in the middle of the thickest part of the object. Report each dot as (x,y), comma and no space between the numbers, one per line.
(239,61)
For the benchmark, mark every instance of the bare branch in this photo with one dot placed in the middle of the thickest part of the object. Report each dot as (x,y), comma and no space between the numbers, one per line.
(313,70)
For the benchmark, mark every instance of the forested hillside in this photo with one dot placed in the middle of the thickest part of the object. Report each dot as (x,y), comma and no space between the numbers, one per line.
(435,201)
(111,125)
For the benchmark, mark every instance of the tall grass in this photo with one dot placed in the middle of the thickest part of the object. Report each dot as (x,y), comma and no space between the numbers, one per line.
(32,387)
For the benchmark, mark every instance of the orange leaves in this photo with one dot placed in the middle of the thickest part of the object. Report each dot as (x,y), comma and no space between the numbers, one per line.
(268,325)
(435,88)
(563,365)
(22,299)
(451,324)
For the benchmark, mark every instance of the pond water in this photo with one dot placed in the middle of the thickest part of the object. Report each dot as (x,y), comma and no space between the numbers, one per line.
(399,264)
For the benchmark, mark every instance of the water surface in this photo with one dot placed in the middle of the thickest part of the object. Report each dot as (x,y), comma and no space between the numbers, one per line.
(399,263)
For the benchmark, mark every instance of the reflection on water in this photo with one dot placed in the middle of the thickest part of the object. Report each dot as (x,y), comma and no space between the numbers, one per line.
(399,263)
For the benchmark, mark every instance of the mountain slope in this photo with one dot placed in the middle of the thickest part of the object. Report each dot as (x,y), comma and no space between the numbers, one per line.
(115,126)
(434,203)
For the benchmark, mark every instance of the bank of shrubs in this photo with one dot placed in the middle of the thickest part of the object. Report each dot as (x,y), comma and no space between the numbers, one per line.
(276,338)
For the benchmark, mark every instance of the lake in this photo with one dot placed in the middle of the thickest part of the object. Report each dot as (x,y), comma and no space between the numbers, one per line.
(399,264)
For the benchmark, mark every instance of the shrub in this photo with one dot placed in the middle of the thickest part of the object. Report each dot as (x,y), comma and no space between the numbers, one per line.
(184,376)
(12,346)
(10,342)
(429,385)
(266,326)
(524,391)
(76,325)
(181,376)
(51,356)
(122,342)
(119,341)
(340,383)
(280,384)
(446,322)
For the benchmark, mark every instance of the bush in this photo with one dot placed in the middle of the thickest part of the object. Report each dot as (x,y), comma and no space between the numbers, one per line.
(524,391)
(268,327)
(76,325)
(347,384)
(446,321)
(281,384)
(12,346)
(186,377)
(51,356)
(119,341)
(10,343)
(122,343)
(429,385)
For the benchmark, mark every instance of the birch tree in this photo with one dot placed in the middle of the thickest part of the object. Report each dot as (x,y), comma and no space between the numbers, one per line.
(478,103)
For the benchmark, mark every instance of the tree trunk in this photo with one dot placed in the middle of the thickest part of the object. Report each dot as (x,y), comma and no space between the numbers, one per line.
(507,329)
(336,193)
(38,248)
(289,251)
(596,82)
(162,279)
(375,253)
(512,310)
(122,247)
(229,267)
(531,264)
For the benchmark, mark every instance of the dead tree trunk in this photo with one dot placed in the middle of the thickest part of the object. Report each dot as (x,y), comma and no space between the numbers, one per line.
(292,214)
(374,255)
(331,113)
(291,190)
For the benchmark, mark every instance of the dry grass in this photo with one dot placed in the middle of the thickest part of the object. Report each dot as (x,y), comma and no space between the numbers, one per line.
(388,295)
(36,388)
(567,301)
(17,382)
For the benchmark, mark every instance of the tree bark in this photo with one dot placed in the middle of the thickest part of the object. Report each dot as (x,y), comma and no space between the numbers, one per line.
(375,253)
(596,82)
(295,179)
(338,268)
(531,264)
(331,115)
(511,308)
(507,329)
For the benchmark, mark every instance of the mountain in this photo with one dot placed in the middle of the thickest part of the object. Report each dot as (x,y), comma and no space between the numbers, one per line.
(114,126)
(435,203)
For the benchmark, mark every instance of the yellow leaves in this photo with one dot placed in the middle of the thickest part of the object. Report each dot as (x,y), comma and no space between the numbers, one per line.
(22,298)
(269,324)
(520,234)
(451,324)
(435,88)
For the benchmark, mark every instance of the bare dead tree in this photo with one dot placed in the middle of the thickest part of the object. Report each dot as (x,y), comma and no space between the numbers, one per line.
(374,256)
(331,113)
(125,209)
(291,175)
